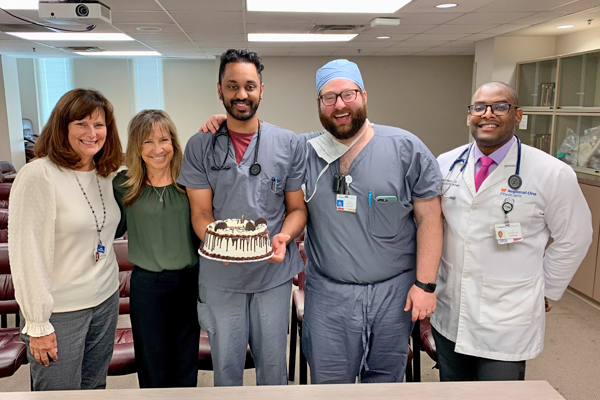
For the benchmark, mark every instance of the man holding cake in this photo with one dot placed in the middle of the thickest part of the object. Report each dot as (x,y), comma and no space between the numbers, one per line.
(254,169)
(373,242)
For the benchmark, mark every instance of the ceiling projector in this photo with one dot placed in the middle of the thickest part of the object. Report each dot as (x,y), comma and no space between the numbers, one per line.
(77,12)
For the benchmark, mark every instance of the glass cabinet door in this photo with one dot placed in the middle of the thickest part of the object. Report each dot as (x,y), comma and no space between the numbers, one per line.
(536,131)
(537,84)
(580,81)
(577,140)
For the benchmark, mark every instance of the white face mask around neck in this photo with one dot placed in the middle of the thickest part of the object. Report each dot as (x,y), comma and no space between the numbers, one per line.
(329,149)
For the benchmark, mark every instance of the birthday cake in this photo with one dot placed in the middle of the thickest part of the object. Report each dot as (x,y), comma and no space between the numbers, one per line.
(237,240)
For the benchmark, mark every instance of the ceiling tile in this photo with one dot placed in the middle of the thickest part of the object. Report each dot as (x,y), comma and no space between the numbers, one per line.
(477,37)
(343,19)
(432,18)
(499,30)
(138,17)
(439,51)
(520,5)
(132,28)
(278,28)
(196,5)
(213,29)
(421,6)
(370,37)
(461,28)
(218,37)
(541,17)
(437,36)
(460,43)
(576,6)
(422,44)
(137,5)
(268,17)
(353,53)
(366,45)
(400,29)
(490,18)
(210,17)
(172,37)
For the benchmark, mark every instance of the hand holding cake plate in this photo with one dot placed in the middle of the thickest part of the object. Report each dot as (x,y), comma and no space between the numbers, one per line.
(237,240)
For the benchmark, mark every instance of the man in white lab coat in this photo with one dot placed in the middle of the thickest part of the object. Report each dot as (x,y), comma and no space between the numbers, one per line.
(502,201)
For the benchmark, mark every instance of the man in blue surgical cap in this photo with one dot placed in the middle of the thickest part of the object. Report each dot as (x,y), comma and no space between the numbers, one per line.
(363,257)
(374,236)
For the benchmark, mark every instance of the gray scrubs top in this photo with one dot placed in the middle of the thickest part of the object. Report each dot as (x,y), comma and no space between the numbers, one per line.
(281,155)
(377,242)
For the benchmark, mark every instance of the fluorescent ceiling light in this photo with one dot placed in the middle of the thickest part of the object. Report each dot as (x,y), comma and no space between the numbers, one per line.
(71,36)
(118,53)
(447,5)
(328,6)
(19,4)
(299,37)
(565,26)
(383,37)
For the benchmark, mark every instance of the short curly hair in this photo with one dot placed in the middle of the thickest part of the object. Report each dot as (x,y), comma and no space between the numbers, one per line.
(238,56)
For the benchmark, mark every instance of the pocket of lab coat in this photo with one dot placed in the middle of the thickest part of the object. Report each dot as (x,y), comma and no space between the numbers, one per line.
(385,218)
(522,213)
(506,302)
(444,283)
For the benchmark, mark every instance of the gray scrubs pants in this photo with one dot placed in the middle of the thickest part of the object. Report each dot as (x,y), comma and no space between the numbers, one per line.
(85,341)
(352,330)
(234,320)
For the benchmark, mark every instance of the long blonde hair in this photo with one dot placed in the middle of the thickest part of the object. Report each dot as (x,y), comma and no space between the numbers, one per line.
(139,129)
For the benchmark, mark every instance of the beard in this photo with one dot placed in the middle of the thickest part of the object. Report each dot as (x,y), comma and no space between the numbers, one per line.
(241,116)
(505,135)
(358,119)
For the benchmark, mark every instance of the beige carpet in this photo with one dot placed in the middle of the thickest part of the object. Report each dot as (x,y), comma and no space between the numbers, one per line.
(570,361)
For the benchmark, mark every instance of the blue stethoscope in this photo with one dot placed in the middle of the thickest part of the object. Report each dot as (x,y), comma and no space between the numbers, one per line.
(514,181)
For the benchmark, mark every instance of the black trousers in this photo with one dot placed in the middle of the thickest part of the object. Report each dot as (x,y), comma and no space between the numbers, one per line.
(165,327)
(460,367)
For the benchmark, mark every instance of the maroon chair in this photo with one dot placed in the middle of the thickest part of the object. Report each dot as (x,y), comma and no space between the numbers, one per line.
(427,341)
(123,357)
(4,194)
(13,352)
(6,168)
(3,225)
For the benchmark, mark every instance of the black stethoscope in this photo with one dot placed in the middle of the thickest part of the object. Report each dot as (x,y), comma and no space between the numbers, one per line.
(514,181)
(255,168)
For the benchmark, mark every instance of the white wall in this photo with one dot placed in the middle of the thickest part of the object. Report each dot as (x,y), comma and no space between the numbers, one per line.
(425,95)
(12,145)
(29,105)
(578,42)
(511,49)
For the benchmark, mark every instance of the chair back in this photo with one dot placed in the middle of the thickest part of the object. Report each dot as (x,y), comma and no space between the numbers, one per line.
(3,225)
(4,193)
(121,249)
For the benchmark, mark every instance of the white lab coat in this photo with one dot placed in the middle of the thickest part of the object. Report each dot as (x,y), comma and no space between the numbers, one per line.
(490,297)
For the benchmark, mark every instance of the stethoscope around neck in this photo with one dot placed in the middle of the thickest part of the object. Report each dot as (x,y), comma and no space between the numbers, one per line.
(514,181)
(255,168)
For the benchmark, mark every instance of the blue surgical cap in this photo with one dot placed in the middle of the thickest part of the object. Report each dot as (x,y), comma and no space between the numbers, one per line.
(337,69)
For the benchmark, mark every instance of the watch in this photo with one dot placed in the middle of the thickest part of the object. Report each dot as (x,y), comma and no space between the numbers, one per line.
(428,287)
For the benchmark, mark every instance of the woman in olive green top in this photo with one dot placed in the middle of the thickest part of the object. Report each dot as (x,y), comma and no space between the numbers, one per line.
(155,212)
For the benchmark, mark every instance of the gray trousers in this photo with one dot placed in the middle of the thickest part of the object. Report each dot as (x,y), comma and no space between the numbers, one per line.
(234,320)
(352,330)
(85,341)
(460,367)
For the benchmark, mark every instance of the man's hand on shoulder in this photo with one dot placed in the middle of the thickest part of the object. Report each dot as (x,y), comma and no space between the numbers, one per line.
(421,302)
(212,123)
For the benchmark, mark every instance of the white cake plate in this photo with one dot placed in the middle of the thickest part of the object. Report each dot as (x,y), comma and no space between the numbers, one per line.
(234,261)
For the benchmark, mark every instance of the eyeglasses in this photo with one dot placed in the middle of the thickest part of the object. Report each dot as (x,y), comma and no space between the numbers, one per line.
(348,96)
(497,108)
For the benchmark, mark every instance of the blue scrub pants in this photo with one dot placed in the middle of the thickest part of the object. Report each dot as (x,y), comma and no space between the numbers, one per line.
(234,320)
(352,330)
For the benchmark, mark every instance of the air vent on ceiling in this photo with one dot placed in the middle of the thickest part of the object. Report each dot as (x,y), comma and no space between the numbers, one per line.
(336,29)
(90,49)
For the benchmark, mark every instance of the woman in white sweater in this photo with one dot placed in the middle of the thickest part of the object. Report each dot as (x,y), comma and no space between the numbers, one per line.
(62,220)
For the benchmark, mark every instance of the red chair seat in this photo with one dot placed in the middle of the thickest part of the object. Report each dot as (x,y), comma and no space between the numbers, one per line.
(298,299)
(123,358)
(427,341)
(13,352)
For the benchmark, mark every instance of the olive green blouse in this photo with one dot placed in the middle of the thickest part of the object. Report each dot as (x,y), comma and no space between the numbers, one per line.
(160,234)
